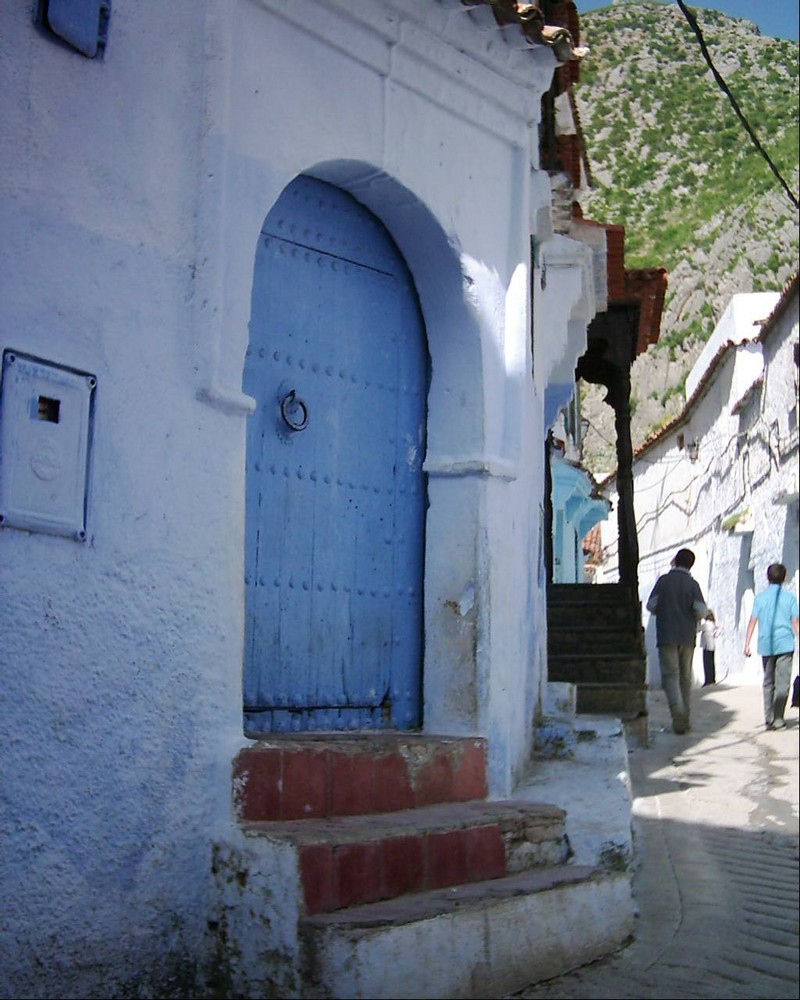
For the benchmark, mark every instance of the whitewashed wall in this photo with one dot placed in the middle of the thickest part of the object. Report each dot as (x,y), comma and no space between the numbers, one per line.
(734,504)
(769,418)
(134,188)
(119,657)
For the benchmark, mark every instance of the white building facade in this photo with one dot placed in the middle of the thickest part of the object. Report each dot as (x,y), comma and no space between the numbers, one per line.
(721,478)
(138,182)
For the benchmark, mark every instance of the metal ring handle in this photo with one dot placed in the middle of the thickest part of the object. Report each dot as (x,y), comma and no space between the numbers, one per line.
(291,405)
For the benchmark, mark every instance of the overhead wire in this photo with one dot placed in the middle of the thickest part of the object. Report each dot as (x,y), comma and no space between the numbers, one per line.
(734,103)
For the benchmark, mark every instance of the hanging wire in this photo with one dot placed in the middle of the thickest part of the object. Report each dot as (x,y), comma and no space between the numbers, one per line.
(726,90)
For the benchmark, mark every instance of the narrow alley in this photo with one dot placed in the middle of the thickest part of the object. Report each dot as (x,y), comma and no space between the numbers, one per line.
(715,816)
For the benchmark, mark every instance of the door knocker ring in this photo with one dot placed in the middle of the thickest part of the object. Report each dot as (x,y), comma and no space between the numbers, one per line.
(294,411)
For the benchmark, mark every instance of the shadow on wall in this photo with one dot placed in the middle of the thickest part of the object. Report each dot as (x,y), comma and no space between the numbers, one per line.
(653,669)
(745,578)
(790,556)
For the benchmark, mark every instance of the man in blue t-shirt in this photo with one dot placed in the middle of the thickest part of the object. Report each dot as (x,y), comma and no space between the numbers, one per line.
(775,611)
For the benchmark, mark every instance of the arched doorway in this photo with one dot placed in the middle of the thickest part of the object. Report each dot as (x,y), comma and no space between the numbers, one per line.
(335,496)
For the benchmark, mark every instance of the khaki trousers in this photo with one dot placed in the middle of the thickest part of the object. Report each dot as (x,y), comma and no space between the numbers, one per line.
(777,675)
(676,679)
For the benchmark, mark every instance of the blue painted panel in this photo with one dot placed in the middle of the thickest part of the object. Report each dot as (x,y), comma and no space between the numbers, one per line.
(556,397)
(335,489)
(81,23)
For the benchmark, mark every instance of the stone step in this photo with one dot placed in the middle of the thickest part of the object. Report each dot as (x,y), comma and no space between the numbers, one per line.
(586,618)
(623,700)
(347,860)
(486,939)
(311,777)
(580,669)
(584,594)
(588,606)
(622,641)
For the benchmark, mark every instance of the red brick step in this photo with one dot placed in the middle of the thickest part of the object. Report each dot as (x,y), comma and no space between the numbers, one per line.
(310,777)
(347,861)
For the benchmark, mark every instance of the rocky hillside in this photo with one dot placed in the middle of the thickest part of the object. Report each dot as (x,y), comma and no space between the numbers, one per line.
(672,162)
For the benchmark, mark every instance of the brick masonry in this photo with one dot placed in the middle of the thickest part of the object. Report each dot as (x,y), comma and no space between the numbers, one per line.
(285,780)
(335,877)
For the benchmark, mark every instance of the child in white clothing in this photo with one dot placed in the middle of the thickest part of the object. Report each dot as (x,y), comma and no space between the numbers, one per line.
(709,630)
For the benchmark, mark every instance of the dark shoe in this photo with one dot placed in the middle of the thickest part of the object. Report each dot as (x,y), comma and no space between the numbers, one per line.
(679,724)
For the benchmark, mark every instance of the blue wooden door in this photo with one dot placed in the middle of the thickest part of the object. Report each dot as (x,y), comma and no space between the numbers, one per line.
(335,491)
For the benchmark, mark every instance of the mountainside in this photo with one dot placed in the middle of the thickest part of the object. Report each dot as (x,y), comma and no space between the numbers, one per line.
(671,161)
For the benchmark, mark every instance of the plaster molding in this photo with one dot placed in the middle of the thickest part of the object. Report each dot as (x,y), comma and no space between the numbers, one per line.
(365,34)
(479,99)
(488,466)
(479,81)
(228,400)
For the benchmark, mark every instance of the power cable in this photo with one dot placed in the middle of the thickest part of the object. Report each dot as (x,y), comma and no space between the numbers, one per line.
(734,104)
(599,433)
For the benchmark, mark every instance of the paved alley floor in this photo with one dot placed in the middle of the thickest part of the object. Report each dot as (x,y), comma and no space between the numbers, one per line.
(715,817)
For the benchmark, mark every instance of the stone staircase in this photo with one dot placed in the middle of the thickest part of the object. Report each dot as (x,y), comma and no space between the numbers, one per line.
(595,641)
(374,866)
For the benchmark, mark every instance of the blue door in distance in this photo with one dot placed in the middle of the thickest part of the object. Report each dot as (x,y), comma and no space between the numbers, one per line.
(335,490)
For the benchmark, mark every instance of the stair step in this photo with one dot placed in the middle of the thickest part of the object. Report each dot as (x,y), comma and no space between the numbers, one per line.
(604,626)
(310,777)
(585,618)
(596,642)
(587,594)
(420,905)
(628,700)
(489,938)
(625,642)
(346,860)
(581,668)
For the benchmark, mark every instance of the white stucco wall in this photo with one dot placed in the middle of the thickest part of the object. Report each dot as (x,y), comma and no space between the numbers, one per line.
(732,504)
(119,656)
(770,418)
(740,321)
(133,191)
